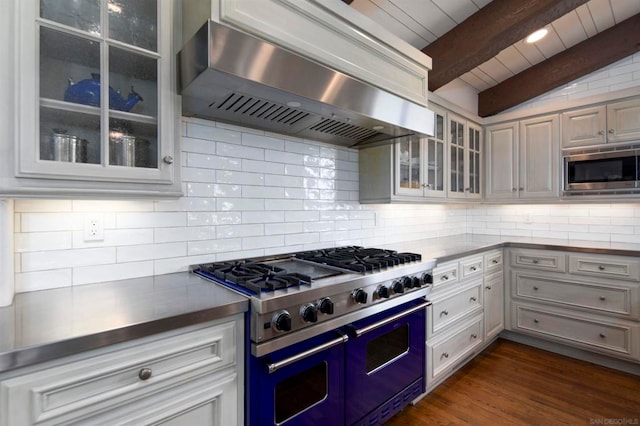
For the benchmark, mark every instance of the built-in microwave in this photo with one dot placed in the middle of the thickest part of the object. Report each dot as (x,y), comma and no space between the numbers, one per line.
(602,171)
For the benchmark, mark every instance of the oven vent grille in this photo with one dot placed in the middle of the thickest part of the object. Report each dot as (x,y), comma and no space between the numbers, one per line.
(256,108)
(345,130)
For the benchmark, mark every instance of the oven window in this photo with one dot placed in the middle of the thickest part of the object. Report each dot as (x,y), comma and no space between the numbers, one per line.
(295,394)
(387,347)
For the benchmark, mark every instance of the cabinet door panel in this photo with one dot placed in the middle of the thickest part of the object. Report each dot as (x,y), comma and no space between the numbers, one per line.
(409,172)
(539,158)
(583,127)
(623,121)
(501,149)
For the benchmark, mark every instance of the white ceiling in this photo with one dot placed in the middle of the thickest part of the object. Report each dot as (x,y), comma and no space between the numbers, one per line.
(420,22)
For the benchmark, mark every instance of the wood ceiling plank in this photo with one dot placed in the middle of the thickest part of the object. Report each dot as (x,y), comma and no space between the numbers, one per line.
(513,60)
(484,34)
(601,13)
(588,56)
(569,29)
(458,10)
(550,45)
(530,51)
(624,9)
(474,81)
(587,20)
(496,70)
(428,15)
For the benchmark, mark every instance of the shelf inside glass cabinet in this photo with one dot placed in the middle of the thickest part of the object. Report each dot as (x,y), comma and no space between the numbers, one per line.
(91,110)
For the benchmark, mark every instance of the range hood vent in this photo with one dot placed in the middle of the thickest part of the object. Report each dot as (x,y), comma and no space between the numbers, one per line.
(229,76)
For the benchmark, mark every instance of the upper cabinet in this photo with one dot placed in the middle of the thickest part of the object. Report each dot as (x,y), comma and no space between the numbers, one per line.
(465,155)
(96,100)
(523,159)
(611,123)
(330,33)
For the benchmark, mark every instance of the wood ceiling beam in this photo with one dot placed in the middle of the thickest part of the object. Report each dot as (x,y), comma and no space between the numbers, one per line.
(611,45)
(484,34)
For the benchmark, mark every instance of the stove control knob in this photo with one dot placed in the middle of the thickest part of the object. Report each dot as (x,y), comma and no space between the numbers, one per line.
(383,292)
(407,282)
(359,296)
(326,306)
(398,287)
(282,321)
(427,278)
(309,313)
(415,281)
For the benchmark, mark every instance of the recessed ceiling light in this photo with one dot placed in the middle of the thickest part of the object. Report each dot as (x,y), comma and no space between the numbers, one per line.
(537,35)
(293,104)
(378,127)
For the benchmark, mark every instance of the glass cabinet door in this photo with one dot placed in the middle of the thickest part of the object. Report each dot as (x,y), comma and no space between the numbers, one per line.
(474,161)
(408,160)
(456,156)
(100,68)
(435,161)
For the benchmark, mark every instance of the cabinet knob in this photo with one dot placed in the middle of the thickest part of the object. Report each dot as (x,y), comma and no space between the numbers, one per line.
(601,268)
(444,355)
(444,277)
(513,189)
(488,287)
(168,159)
(602,335)
(445,313)
(536,321)
(601,132)
(473,269)
(603,298)
(145,374)
(521,189)
(473,299)
(427,185)
(535,288)
(467,189)
(611,131)
(494,261)
(474,336)
(535,261)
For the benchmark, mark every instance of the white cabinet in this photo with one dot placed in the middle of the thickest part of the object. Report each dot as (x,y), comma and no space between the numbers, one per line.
(465,157)
(582,300)
(183,377)
(95,100)
(523,159)
(493,305)
(330,33)
(611,123)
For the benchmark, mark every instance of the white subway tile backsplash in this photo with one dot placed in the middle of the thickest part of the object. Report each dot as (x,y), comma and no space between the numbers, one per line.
(283,228)
(240,204)
(42,280)
(210,132)
(262,192)
(40,206)
(303,238)
(43,222)
(59,259)
(115,237)
(150,220)
(238,231)
(196,248)
(111,272)
(252,243)
(24,242)
(283,157)
(262,141)
(212,161)
(262,167)
(268,216)
(240,178)
(199,146)
(239,151)
(150,252)
(213,218)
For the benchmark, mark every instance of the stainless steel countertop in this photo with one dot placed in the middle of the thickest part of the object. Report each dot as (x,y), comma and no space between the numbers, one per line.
(449,248)
(48,324)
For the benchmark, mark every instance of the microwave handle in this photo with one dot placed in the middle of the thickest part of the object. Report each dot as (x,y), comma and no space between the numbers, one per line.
(275,366)
(359,332)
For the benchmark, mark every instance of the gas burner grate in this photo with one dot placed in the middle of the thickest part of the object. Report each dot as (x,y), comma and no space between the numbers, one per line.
(255,277)
(358,259)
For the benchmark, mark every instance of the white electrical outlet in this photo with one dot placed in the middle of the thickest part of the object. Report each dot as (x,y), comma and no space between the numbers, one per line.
(93,228)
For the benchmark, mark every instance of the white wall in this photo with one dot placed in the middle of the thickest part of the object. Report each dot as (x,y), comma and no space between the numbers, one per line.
(247,194)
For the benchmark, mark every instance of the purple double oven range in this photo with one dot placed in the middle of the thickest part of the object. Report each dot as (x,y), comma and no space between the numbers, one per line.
(335,336)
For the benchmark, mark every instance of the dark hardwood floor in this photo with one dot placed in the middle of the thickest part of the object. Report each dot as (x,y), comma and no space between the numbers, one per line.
(514,384)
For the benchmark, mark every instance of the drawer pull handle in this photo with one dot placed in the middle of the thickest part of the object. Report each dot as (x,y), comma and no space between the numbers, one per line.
(444,277)
(145,374)
(535,288)
(488,287)
(535,261)
(444,355)
(473,269)
(445,313)
(474,336)
(473,299)
(602,335)
(536,321)
(494,261)
(601,268)
(603,298)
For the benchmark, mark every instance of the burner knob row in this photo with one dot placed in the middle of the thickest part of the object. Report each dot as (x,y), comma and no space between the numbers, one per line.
(309,313)
(359,296)
(325,305)
(282,321)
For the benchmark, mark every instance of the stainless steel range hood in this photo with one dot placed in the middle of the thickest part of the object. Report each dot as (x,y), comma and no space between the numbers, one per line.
(229,76)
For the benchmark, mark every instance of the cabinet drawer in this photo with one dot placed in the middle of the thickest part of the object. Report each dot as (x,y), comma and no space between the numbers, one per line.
(493,262)
(445,353)
(592,333)
(447,273)
(452,307)
(607,267)
(101,383)
(606,298)
(471,267)
(538,259)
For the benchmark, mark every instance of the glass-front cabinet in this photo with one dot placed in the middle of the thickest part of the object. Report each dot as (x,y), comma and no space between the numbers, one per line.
(465,156)
(420,162)
(97,92)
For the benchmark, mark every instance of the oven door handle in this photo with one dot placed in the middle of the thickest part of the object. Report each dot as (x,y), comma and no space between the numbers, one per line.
(275,366)
(359,332)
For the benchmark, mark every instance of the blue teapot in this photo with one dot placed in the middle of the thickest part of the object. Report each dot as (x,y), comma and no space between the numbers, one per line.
(87,92)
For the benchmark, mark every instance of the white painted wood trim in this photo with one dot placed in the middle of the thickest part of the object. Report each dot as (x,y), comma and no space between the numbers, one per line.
(7,284)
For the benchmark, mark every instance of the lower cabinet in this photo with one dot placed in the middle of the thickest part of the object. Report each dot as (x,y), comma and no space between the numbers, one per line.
(193,376)
(493,305)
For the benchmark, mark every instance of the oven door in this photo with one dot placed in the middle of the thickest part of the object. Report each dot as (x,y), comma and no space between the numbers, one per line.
(601,171)
(302,384)
(385,365)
